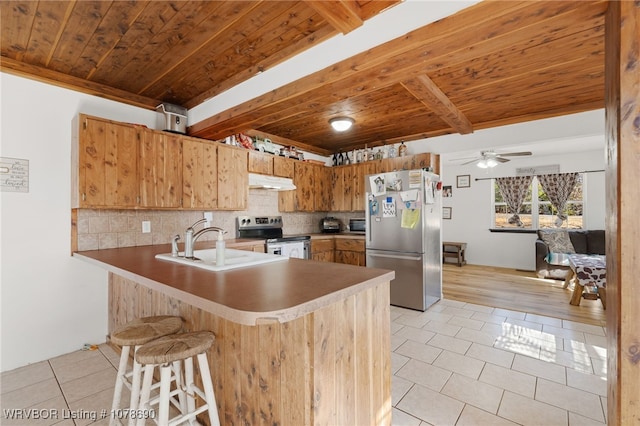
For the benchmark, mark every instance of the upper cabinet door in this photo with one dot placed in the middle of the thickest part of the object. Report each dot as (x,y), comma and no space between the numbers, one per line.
(199,174)
(233,178)
(359,191)
(305,190)
(160,170)
(105,160)
(283,167)
(322,186)
(260,162)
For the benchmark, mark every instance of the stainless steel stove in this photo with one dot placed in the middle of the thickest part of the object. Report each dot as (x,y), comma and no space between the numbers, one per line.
(270,228)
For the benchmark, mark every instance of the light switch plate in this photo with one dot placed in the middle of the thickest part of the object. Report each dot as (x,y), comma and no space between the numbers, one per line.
(208,216)
(146,226)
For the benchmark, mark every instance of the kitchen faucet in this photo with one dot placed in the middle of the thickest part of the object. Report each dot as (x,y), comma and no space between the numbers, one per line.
(190,237)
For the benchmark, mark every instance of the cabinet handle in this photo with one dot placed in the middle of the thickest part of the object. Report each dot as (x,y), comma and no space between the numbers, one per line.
(84,197)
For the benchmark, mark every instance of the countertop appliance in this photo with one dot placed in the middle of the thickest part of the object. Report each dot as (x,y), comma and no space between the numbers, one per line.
(357,226)
(403,220)
(330,225)
(269,228)
(173,118)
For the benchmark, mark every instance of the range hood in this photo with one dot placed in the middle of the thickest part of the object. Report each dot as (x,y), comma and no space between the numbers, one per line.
(257,181)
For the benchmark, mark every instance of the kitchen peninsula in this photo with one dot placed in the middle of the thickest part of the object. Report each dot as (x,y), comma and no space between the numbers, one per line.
(298,342)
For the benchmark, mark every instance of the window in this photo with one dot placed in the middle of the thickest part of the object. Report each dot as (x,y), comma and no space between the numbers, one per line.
(537,211)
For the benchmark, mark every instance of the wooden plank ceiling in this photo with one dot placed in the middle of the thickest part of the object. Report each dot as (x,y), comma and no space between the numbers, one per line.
(491,64)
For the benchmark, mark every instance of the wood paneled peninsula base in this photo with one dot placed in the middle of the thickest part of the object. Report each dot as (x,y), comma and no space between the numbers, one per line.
(297,342)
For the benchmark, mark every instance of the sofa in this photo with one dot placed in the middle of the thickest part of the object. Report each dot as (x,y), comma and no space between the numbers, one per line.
(583,241)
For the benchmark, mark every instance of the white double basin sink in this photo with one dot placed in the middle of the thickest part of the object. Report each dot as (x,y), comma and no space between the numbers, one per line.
(206,259)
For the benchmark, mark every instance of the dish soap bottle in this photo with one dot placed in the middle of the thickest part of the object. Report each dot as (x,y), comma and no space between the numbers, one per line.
(220,249)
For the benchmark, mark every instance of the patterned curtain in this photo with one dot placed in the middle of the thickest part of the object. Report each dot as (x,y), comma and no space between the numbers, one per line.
(559,187)
(514,190)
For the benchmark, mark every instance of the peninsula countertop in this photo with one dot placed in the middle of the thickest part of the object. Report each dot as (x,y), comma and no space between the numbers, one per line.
(277,291)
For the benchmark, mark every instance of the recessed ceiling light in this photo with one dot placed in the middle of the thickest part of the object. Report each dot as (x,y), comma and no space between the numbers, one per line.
(340,124)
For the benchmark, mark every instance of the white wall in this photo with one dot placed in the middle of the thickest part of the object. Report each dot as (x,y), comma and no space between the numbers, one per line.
(471,209)
(51,303)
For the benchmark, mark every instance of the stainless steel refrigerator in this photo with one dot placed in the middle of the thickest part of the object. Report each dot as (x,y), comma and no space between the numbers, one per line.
(403,221)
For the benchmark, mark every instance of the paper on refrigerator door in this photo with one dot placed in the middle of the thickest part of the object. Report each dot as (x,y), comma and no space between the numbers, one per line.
(429,190)
(377,185)
(389,207)
(410,218)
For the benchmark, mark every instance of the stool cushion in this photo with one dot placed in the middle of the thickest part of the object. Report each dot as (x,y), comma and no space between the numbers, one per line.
(175,347)
(146,329)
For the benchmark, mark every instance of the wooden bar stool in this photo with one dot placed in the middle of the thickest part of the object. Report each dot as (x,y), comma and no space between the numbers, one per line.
(171,351)
(135,334)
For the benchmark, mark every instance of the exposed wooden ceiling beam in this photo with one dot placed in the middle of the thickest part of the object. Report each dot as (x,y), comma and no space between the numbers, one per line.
(343,15)
(55,78)
(427,92)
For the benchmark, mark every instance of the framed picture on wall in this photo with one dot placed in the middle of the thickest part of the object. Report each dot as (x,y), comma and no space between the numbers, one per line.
(446,212)
(446,191)
(463,181)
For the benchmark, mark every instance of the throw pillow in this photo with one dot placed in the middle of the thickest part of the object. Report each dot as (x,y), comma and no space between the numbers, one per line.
(558,241)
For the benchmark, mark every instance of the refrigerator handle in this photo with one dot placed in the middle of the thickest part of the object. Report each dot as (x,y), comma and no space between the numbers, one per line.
(367,216)
(394,256)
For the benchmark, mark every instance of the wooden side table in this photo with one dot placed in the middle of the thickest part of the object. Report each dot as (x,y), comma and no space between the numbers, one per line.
(454,250)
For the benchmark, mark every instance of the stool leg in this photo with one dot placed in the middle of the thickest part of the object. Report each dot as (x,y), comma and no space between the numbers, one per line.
(177,371)
(208,389)
(117,392)
(145,392)
(165,389)
(189,384)
(135,386)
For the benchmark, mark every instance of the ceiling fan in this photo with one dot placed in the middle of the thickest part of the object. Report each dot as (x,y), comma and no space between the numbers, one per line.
(491,158)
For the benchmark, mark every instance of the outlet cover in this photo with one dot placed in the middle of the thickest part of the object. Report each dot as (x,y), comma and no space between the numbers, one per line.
(208,216)
(146,226)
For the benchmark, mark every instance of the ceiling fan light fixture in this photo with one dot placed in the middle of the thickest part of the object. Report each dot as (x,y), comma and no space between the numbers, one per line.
(341,124)
(485,163)
(491,162)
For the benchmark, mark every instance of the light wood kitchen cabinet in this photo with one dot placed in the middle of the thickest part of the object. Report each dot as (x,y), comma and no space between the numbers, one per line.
(305,191)
(322,188)
(259,162)
(409,162)
(105,166)
(342,187)
(312,191)
(322,249)
(350,251)
(359,188)
(160,169)
(283,167)
(199,174)
(233,178)
(349,187)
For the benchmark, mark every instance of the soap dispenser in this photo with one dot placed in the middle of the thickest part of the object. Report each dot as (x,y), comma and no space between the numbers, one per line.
(220,249)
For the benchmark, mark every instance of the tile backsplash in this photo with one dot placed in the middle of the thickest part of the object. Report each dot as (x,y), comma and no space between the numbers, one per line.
(103,229)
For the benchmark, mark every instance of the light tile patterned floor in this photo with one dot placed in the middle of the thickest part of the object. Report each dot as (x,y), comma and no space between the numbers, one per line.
(456,364)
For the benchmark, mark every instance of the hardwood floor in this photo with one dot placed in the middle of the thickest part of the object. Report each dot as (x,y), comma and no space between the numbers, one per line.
(518,291)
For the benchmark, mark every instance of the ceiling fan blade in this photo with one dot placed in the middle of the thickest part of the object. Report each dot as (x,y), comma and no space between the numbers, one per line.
(515,154)
(469,162)
(502,160)
(464,158)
